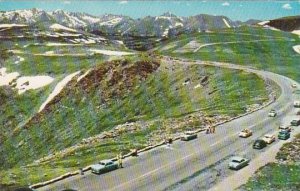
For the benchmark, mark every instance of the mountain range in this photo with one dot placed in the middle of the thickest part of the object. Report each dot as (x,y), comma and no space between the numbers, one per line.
(164,25)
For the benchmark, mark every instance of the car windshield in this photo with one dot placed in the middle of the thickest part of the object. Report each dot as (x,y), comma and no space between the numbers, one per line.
(257,142)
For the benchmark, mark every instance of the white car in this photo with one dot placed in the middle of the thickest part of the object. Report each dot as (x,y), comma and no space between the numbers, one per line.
(245,133)
(268,138)
(272,113)
(238,162)
(296,103)
(294,85)
(285,128)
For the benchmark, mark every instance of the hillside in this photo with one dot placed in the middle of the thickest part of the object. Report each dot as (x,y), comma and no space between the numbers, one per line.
(262,48)
(286,24)
(73,93)
(121,105)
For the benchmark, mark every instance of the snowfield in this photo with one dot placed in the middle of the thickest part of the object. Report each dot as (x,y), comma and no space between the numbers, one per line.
(32,82)
(60,27)
(111,22)
(11,25)
(6,78)
(24,83)
(111,52)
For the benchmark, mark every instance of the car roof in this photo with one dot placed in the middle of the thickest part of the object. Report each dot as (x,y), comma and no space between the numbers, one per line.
(237,158)
(283,131)
(96,166)
(269,135)
(106,161)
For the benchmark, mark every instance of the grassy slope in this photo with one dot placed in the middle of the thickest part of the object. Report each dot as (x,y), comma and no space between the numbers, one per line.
(277,56)
(91,110)
(15,109)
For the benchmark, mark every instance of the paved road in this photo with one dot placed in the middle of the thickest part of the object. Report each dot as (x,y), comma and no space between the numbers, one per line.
(190,165)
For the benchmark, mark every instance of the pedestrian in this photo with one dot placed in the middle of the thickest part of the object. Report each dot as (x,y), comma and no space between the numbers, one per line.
(213,129)
(119,157)
(81,171)
(207,131)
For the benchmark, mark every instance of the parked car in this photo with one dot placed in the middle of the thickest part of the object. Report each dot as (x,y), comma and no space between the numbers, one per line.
(268,138)
(188,135)
(245,133)
(272,113)
(238,162)
(259,144)
(295,122)
(296,103)
(294,85)
(285,128)
(284,135)
(104,166)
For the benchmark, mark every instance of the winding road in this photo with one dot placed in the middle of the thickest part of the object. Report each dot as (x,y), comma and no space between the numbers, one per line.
(200,164)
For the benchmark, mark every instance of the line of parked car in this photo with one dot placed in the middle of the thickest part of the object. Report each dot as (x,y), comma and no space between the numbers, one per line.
(236,162)
(284,133)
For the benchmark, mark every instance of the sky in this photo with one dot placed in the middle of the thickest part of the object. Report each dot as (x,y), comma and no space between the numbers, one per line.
(236,10)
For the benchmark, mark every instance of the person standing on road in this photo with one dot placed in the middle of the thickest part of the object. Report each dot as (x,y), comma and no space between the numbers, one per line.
(213,129)
(119,157)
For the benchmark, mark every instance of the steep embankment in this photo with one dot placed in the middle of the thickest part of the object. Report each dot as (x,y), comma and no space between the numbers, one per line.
(109,81)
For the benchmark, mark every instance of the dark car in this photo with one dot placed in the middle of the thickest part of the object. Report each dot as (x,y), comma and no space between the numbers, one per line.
(284,135)
(259,144)
(295,122)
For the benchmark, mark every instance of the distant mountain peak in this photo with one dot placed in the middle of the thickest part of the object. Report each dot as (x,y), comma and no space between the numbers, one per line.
(168,14)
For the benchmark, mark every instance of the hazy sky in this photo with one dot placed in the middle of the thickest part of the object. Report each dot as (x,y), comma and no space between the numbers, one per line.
(236,10)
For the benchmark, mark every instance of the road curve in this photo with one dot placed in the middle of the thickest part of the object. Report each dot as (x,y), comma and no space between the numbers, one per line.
(188,164)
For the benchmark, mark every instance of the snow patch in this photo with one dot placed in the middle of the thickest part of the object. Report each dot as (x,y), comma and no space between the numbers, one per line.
(297,32)
(60,27)
(90,19)
(11,25)
(58,89)
(61,44)
(263,23)
(83,75)
(32,82)
(178,24)
(111,52)
(226,23)
(111,22)
(297,48)
(6,78)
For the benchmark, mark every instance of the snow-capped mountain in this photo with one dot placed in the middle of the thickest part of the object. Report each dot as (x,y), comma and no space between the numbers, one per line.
(160,26)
